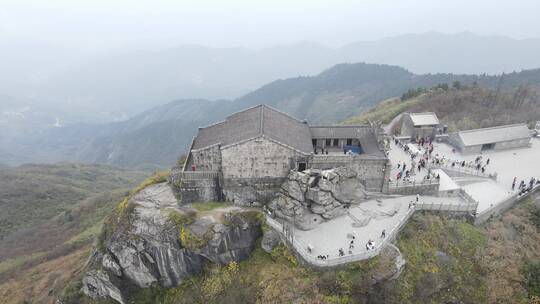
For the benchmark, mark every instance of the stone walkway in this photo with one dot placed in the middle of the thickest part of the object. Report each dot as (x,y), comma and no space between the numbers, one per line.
(398,156)
(371,218)
(521,163)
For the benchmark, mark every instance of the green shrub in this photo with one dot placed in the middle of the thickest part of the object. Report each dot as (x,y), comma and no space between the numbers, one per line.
(236,219)
(208,206)
(531,271)
(181,219)
(156,178)
(282,253)
(192,241)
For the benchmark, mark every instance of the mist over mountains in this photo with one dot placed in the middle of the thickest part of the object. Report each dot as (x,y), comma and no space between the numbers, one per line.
(155,138)
(110,85)
(112,108)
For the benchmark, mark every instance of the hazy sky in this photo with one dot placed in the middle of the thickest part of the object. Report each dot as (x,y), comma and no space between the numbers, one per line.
(256,23)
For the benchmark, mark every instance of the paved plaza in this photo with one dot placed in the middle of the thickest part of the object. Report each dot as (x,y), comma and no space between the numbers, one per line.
(522,163)
(398,156)
(365,221)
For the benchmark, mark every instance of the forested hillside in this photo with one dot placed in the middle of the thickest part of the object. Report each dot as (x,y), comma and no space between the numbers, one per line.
(462,107)
(49,216)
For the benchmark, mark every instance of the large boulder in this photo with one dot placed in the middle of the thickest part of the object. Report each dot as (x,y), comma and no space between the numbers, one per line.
(294,189)
(98,284)
(318,196)
(307,221)
(310,197)
(147,248)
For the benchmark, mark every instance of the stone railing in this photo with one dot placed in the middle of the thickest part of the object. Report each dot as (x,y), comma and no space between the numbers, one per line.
(465,207)
(463,170)
(413,183)
(338,260)
(301,250)
(194,175)
(425,187)
(342,158)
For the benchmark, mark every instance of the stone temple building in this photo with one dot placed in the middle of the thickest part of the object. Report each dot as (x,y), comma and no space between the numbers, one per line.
(247,157)
(494,138)
(416,125)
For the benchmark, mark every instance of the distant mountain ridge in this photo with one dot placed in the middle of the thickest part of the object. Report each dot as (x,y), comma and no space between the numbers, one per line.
(131,81)
(155,138)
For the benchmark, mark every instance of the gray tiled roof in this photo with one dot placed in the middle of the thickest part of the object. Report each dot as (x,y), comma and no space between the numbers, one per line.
(361,132)
(494,134)
(253,122)
(370,146)
(424,119)
(339,131)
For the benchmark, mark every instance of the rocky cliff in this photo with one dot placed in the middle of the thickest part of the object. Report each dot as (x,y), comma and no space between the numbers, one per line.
(308,198)
(153,241)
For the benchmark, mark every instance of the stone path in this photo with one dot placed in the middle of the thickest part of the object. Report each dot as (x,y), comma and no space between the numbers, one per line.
(375,216)
(521,163)
(398,155)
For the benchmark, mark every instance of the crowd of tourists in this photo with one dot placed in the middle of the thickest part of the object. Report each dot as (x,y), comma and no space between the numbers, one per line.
(419,159)
(423,156)
(524,187)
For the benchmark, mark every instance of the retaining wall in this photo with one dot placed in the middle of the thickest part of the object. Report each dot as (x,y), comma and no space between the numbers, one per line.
(243,191)
(196,186)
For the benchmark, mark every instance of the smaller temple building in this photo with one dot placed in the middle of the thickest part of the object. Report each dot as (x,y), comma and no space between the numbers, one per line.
(246,157)
(418,125)
(494,138)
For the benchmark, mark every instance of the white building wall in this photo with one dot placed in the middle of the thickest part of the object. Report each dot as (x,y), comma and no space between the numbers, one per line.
(513,144)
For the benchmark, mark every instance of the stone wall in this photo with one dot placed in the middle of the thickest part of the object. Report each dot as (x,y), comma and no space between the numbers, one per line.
(208,159)
(258,158)
(246,191)
(407,127)
(513,144)
(413,189)
(196,186)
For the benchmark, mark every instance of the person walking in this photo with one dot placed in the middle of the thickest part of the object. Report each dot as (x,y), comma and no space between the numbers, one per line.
(383,234)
